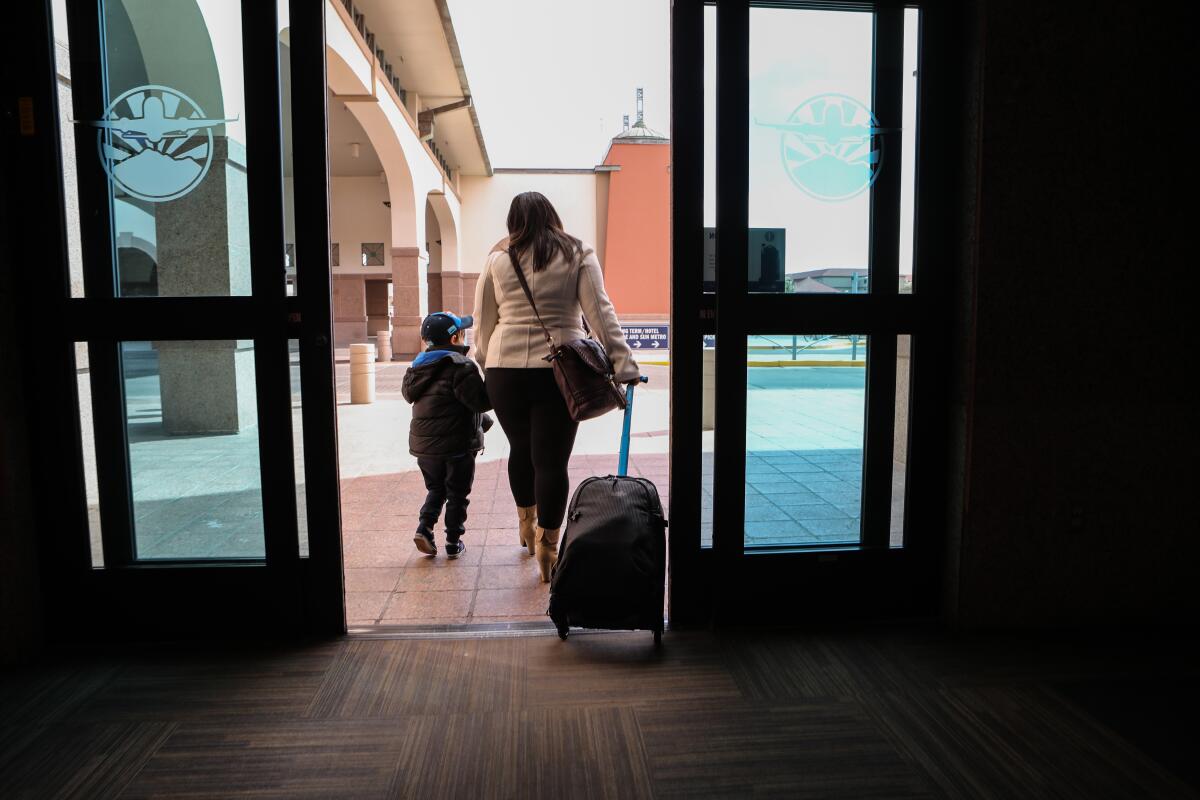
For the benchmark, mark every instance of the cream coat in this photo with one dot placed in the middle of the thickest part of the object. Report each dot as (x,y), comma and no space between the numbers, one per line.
(507,332)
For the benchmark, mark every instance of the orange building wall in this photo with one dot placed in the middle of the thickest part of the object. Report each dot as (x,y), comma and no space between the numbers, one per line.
(637,252)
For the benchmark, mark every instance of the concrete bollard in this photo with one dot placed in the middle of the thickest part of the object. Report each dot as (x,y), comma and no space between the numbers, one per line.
(362,373)
(383,340)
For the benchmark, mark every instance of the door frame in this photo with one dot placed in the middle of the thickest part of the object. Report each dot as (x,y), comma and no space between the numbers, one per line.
(725,584)
(125,598)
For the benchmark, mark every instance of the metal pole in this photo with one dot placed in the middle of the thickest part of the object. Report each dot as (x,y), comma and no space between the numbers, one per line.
(623,455)
(793,347)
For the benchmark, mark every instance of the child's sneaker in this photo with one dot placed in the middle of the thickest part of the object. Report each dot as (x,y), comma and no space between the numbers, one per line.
(454,546)
(423,539)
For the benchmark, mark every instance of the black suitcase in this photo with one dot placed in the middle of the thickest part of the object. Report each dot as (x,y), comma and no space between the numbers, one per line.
(612,559)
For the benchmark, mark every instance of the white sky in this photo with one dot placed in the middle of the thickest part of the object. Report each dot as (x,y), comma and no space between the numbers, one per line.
(552,78)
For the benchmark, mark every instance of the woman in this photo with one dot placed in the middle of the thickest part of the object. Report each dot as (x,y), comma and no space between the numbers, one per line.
(566,282)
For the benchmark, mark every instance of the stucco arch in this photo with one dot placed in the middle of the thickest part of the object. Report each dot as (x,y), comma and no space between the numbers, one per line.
(405,220)
(447,225)
(449,288)
(180,54)
(433,239)
(411,173)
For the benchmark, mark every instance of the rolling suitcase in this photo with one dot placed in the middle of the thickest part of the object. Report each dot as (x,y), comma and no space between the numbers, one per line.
(612,559)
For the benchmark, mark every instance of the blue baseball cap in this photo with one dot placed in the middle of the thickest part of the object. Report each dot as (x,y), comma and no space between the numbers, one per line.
(438,327)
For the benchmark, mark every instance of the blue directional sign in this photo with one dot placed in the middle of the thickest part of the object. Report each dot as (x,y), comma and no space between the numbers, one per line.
(646,337)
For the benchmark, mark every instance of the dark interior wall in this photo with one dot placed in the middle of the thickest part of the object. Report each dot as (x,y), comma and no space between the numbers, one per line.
(1074,503)
(20,613)
(29,247)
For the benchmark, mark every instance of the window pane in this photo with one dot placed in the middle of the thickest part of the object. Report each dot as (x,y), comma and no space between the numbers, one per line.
(66,137)
(710,148)
(813,153)
(173,142)
(285,101)
(87,434)
(298,444)
(900,446)
(372,254)
(804,440)
(708,424)
(908,157)
(192,426)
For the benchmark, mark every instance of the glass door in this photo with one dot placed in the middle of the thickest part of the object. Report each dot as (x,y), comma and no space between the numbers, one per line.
(195,335)
(801,305)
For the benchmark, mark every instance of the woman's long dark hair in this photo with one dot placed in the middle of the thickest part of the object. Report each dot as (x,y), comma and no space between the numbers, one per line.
(534,227)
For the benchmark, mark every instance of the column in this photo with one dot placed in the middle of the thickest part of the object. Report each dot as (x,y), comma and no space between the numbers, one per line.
(349,309)
(453,298)
(469,280)
(207,386)
(406,303)
(436,301)
(203,245)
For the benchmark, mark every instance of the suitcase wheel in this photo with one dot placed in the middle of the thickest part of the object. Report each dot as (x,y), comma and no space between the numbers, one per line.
(562,632)
(658,638)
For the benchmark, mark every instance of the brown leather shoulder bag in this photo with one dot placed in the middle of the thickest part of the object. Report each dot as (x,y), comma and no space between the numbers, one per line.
(582,370)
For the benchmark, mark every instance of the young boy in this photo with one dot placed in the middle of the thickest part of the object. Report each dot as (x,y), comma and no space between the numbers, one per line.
(448,422)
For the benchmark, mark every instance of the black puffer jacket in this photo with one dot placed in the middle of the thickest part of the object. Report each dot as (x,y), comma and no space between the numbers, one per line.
(449,399)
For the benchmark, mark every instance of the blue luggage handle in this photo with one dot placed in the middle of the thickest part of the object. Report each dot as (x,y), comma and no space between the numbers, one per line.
(623,458)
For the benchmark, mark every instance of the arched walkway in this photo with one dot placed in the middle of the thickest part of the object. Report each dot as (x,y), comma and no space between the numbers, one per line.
(453,290)
(416,188)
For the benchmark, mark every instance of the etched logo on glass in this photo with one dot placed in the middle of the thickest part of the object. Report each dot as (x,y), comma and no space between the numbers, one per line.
(831,147)
(156,142)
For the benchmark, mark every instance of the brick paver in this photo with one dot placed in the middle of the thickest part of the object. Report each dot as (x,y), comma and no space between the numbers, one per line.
(388,582)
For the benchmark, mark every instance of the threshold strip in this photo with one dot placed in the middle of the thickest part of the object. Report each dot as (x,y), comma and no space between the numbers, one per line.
(491,630)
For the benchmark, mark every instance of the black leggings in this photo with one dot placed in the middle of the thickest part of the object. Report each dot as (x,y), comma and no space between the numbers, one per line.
(541,435)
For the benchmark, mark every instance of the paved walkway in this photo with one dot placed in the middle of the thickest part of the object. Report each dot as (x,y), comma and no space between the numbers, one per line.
(495,580)
(198,496)
(388,582)
(194,496)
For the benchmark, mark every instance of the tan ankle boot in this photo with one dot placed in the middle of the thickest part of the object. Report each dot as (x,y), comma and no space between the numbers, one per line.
(528,521)
(547,551)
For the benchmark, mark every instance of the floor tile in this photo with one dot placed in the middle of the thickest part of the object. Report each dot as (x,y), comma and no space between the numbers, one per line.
(397,678)
(500,576)
(504,554)
(524,601)
(371,579)
(471,556)
(438,578)
(503,536)
(365,605)
(417,606)
(275,759)
(817,750)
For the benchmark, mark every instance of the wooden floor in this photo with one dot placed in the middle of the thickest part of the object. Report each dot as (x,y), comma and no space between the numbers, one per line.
(864,714)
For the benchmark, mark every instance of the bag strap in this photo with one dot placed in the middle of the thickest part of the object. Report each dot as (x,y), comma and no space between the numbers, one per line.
(512,256)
